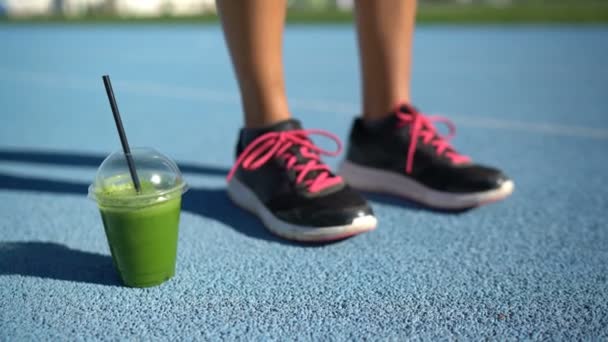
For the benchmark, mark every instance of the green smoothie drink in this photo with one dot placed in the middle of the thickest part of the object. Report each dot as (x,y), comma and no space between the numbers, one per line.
(141,227)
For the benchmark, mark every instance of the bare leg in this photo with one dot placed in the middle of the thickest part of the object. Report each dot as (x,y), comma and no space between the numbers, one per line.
(254,34)
(385,29)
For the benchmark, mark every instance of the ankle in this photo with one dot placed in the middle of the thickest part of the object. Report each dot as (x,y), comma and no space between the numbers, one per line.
(257,120)
(264,107)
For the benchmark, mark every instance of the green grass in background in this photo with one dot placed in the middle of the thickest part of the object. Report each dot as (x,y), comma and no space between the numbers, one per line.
(566,13)
(437,14)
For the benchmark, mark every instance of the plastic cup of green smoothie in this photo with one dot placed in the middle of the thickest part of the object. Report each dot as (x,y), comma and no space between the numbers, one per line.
(141,227)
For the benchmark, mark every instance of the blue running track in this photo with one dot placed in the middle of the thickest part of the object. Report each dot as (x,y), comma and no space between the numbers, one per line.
(530,99)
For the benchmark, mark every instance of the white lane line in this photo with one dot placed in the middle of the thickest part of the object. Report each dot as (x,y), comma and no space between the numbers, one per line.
(533,127)
(318,106)
(177,92)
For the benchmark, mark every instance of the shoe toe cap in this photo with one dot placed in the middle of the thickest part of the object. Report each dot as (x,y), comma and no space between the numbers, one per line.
(337,209)
(323,218)
(477,179)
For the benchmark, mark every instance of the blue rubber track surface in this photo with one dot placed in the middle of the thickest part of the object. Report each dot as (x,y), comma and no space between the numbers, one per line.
(532,100)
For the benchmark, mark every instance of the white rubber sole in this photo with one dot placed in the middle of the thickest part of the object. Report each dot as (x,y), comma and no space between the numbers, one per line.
(376,180)
(242,196)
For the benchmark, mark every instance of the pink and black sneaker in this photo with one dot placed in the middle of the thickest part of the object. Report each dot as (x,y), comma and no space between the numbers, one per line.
(280,178)
(404,155)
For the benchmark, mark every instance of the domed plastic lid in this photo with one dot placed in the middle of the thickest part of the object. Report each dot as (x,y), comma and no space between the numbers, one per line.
(158,175)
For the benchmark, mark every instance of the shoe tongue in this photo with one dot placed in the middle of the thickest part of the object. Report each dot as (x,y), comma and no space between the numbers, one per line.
(250,134)
(388,122)
(407,109)
(285,125)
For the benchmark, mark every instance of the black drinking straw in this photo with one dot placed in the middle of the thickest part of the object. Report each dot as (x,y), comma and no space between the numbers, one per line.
(121,132)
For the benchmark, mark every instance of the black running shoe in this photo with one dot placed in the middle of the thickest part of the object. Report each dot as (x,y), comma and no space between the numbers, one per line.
(279,177)
(404,155)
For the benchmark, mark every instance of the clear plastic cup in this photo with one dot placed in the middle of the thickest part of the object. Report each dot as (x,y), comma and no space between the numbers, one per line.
(141,228)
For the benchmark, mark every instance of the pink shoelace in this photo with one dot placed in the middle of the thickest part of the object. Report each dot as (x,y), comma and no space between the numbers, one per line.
(422,127)
(278,144)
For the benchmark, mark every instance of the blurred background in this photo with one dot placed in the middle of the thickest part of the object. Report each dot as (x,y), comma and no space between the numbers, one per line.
(313,10)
